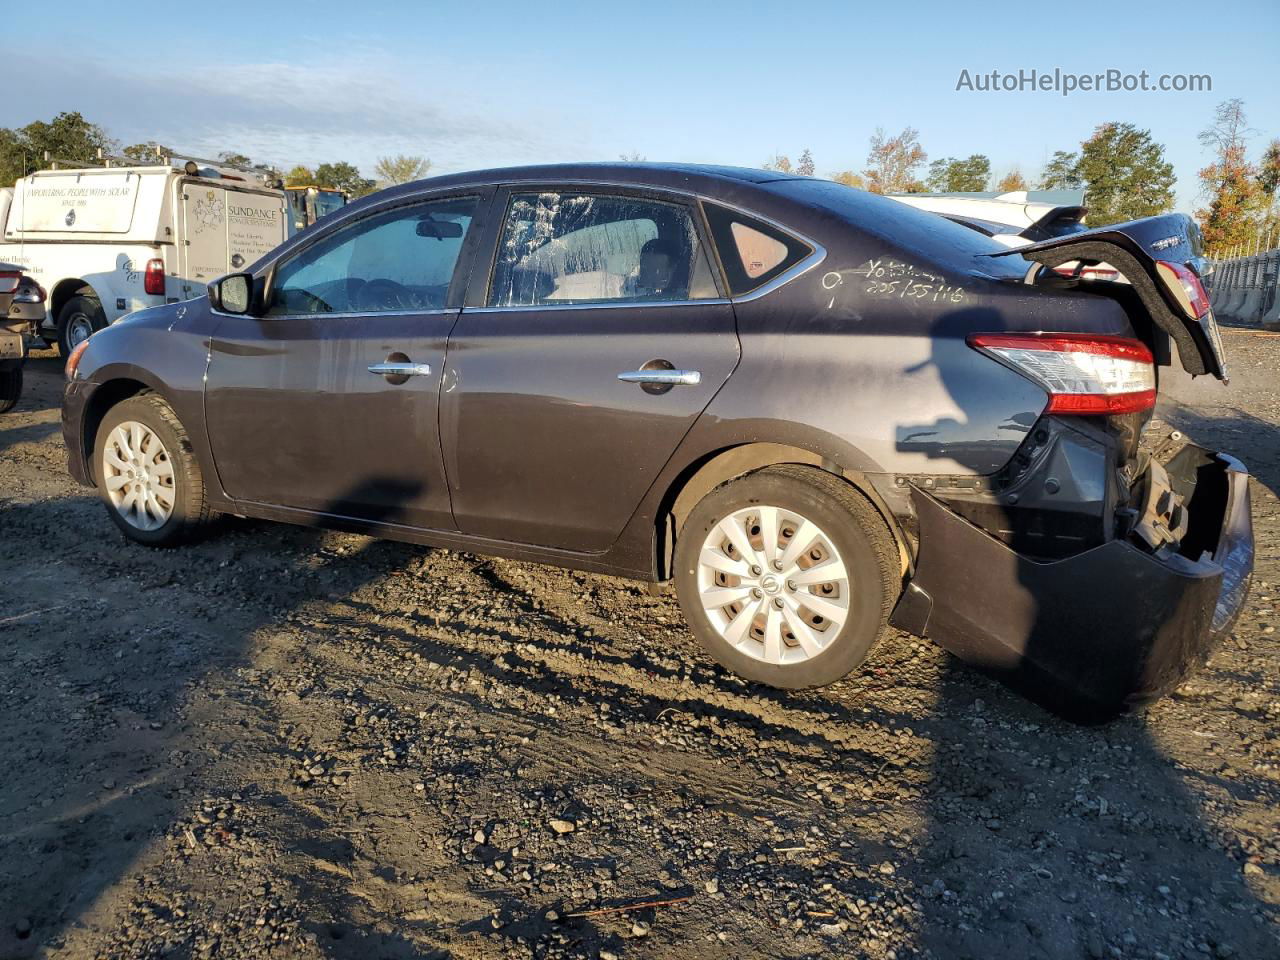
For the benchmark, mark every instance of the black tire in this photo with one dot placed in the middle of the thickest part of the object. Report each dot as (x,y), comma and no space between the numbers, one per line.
(10,387)
(856,530)
(190,511)
(70,318)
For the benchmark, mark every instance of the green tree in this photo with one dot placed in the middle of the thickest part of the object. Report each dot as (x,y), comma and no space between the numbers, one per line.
(345,177)
(805,166)
(1237,196)
(233,159)
(1125,174)
(1062,172)
(401,169)
(952,176)
(300,176)
(1011,181)
(68,138)
(892,162)
(146,152)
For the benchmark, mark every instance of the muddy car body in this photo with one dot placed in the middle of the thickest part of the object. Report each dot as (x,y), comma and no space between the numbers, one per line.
(812,382)
(21,312)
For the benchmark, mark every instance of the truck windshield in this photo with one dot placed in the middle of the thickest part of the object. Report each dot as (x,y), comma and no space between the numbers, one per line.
(327,201)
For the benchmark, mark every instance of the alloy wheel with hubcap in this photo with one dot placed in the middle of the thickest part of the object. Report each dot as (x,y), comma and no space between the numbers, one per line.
(773,584)
(138,475)
(786,575)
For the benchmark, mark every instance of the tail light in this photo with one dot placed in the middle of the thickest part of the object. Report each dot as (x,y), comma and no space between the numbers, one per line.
(1085,374)
(1184,283)
(9,281)
(153,279)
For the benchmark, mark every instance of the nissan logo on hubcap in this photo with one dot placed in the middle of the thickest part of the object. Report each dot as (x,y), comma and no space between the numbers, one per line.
(770,585)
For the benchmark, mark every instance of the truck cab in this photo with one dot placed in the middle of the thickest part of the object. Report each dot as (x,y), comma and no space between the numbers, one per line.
(105,241)
(309,204)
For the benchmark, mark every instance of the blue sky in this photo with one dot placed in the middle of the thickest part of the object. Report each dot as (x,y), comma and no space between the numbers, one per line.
(480,84)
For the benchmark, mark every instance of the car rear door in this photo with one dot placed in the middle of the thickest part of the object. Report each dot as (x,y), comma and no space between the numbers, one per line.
(329,402)
(580,363)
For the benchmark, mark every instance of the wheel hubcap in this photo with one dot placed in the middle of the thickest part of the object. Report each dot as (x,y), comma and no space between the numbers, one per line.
(138,475)
(773,584)
(79,329)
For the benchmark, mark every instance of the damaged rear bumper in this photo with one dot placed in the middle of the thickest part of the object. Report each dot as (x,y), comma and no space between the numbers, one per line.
(1111,627)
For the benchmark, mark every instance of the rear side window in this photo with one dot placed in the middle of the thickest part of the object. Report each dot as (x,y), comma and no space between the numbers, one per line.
(562,248)
(753,252)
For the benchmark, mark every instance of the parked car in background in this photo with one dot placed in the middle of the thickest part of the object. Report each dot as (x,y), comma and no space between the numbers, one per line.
(105,241)
(21,311)
(819,411)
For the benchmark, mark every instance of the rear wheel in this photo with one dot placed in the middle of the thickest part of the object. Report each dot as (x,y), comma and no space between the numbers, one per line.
(79,318)
(10,387)
(147,473)
(787,576)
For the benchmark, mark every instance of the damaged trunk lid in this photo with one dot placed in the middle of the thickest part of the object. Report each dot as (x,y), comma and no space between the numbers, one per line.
(1161,257)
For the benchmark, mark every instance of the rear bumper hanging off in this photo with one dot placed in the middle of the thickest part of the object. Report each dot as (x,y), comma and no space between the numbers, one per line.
(1092,634)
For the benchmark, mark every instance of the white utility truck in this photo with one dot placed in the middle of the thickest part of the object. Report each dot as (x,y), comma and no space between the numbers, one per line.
(105,241)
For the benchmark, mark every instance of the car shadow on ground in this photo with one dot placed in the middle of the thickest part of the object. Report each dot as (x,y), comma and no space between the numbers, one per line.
(1007,795)
(1003,787)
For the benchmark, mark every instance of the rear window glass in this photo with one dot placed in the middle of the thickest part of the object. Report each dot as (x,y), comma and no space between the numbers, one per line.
(752,252)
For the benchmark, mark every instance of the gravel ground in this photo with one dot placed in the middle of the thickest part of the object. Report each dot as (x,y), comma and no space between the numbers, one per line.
(295,743)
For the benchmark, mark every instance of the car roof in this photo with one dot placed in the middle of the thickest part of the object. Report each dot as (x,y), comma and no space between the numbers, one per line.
(653,174)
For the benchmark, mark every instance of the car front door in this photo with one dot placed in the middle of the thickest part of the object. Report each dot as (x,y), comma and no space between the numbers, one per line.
(599,337)
(328,402)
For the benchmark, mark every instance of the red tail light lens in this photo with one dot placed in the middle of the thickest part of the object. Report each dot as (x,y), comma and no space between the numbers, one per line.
(1084,374)
(9,281)
(153,279)
(1185,285)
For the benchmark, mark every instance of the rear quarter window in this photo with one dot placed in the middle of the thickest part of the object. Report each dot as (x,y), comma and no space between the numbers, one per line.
(752,252)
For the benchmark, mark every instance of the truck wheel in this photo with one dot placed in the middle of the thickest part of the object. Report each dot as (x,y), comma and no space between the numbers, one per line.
(147,474)
(77,320)
(10,387)
(787,576)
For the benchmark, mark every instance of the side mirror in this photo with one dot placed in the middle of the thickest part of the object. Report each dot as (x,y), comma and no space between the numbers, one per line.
(232,293)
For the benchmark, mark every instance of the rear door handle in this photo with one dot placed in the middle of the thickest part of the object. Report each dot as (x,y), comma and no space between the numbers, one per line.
(667,378)
(386,369)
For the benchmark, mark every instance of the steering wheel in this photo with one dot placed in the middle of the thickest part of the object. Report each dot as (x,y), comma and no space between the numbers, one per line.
(383,294)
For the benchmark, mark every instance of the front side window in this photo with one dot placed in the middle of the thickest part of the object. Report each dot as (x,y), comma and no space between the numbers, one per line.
(560,248)
(400,260)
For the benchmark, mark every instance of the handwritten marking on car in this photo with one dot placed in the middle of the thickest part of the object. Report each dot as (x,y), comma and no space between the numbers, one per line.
(887,278)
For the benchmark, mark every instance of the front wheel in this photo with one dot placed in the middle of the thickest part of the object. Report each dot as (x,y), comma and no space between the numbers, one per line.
(147,474)
(787,576)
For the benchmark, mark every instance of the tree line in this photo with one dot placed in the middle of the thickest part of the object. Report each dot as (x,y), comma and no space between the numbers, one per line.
(1122,170)
(70,139)
(1120,167)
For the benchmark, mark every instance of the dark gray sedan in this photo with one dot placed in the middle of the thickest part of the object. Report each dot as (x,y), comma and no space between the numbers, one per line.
(819,411)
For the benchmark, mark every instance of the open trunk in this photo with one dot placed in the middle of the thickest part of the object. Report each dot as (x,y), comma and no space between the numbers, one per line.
(1161,259)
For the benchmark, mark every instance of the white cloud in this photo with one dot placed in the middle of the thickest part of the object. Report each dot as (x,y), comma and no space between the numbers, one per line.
(356,107)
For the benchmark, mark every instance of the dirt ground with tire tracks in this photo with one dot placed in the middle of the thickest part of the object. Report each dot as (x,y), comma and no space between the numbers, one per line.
(290,743)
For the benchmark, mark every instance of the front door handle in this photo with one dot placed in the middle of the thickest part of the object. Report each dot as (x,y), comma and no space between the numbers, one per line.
(666,378)
(388,369)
